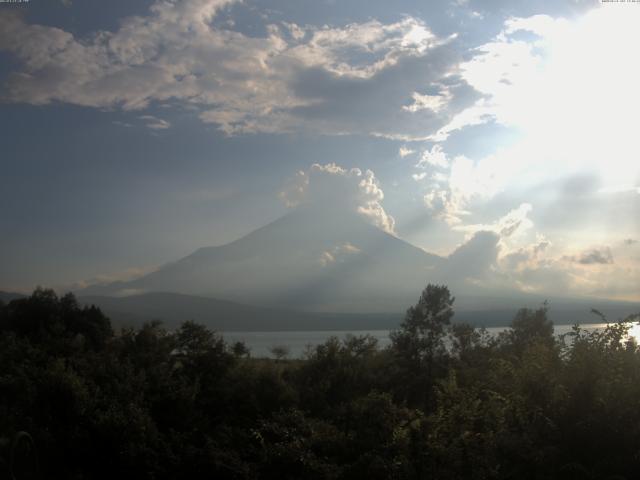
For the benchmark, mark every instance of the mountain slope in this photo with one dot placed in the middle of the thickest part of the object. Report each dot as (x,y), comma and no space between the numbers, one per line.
(303,260)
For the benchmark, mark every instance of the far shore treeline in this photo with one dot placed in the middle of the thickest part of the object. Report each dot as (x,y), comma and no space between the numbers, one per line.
(80,400)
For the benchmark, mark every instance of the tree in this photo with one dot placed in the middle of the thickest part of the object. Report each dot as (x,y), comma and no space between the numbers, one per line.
(419,342)
(280,352)
(43,317)
(240,350)
(338,371)
(531,326)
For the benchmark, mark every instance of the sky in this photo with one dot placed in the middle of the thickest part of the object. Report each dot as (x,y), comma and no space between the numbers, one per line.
(137,131)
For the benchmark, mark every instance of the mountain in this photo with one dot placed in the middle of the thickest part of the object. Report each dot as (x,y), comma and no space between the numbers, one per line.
(6,297)
(305,261)
(221,315)
(225,316)
(317,262)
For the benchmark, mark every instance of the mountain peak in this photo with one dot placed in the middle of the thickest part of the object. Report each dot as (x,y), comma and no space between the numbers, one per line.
(310,259)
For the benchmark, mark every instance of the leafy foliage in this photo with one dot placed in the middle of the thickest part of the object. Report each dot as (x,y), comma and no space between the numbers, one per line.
(443,401)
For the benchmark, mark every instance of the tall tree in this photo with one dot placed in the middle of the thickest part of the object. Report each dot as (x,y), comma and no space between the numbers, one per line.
(419,343)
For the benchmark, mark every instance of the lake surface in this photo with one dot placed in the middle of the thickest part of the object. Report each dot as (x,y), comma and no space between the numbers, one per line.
(260,343)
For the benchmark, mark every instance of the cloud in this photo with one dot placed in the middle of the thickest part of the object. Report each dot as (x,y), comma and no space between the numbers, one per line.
(515,222)
(442,199)
(337,49)
(337,254)
(570,171)
(534,78)
(128,292)
(435,157)
(502,256)
(391,79)
(539,84)
(405,151)
(443,204)
(125,275)
(331,188)
(526,257)
(594,256)
(155,123)
(148,58)
(474,259)
(453,185)
(509,72)
(545,268)
(428,102)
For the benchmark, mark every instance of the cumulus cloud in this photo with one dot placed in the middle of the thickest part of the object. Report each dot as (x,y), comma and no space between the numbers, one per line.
(534,66)
(501,255)
(435,157)
(453,185)
(353,78)
(444,204)
(508,252)
(589,273)
(537,267)
(485,254)
(554,67)
(475,258)
(335,189)
(544,268)
(526,257)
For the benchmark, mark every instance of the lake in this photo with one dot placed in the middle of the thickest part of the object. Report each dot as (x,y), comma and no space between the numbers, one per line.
(260,343)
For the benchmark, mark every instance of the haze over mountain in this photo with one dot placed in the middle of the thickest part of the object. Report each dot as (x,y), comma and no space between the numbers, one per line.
(320,268)
(314,260)
(307,260)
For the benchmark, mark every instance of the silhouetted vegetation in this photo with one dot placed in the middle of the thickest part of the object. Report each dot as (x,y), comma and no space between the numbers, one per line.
(444,401)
